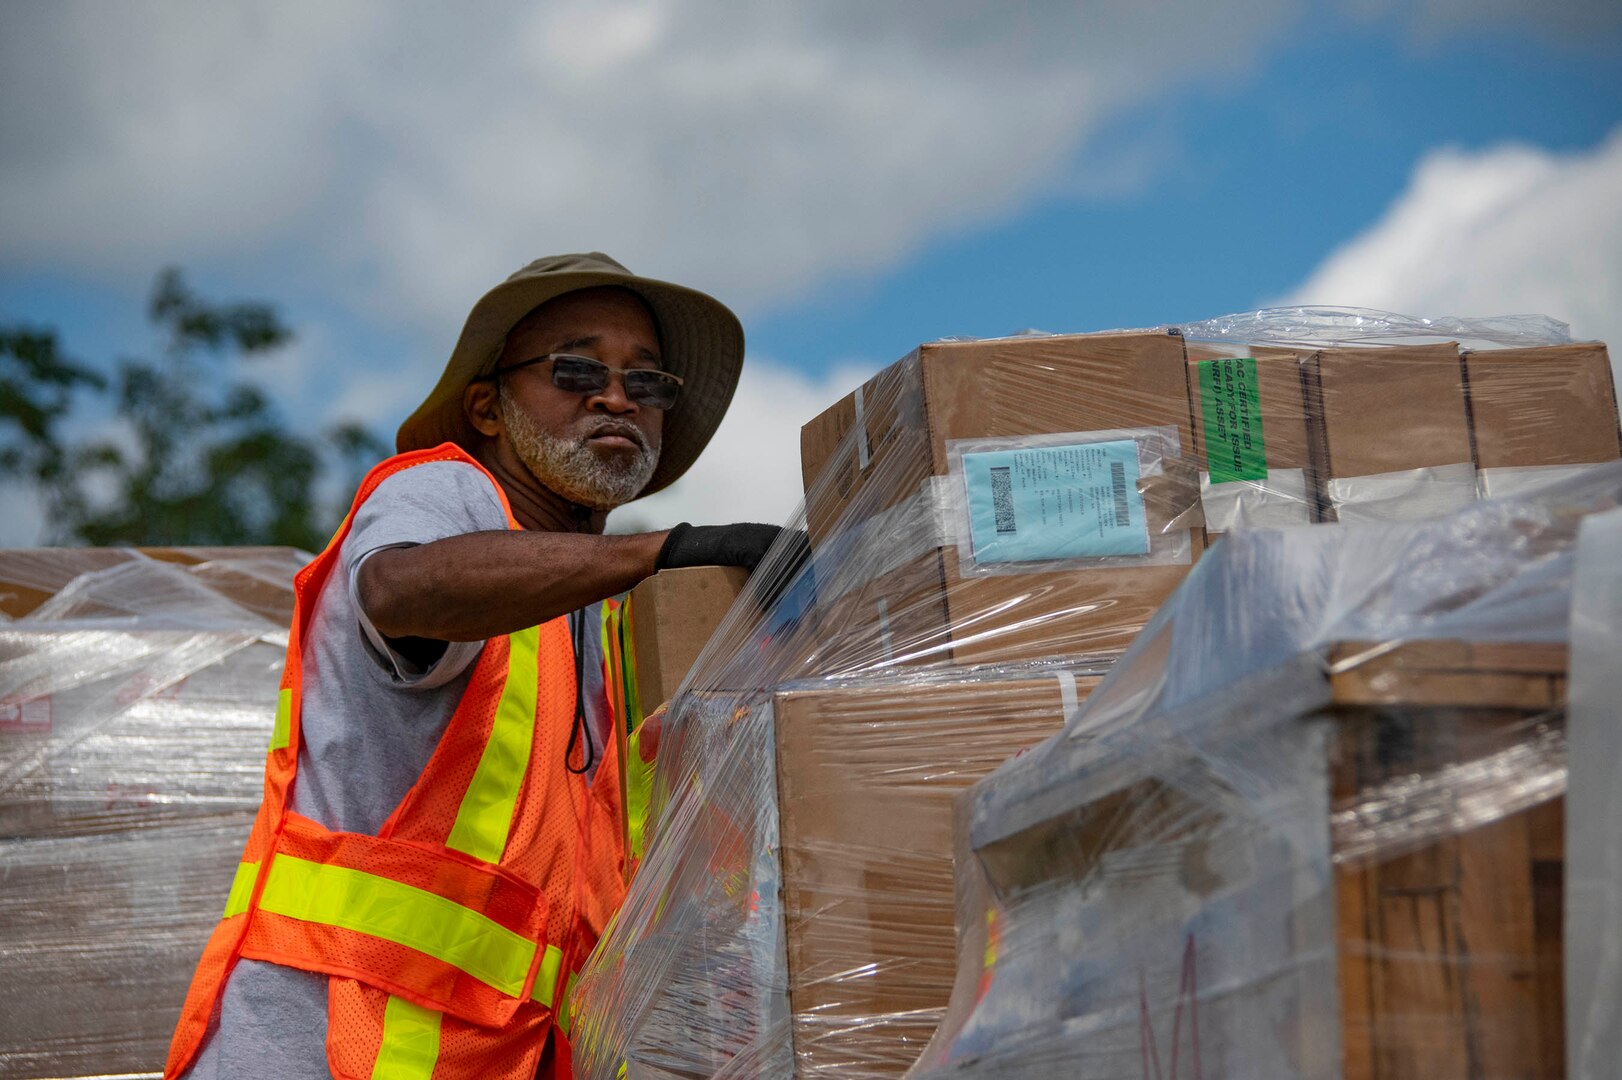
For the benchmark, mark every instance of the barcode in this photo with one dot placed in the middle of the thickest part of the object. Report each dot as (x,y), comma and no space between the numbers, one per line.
(1002,500)
(1117,480)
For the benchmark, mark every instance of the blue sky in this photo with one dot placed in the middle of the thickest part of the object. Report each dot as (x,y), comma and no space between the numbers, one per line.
(854,182)
(1246,186)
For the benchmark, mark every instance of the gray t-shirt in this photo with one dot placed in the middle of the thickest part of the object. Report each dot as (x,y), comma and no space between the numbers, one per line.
(370,721)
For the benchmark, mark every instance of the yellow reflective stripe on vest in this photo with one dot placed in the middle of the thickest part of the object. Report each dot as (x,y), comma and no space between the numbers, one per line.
(282,734)
(636,775)
(406,915)
(546,979)
(486,814)
(241,889)
(410,1044)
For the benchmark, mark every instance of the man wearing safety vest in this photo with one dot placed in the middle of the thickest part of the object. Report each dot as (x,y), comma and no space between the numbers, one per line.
(442,837)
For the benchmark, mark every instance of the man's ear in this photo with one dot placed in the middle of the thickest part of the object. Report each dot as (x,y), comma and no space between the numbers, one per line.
(481,401)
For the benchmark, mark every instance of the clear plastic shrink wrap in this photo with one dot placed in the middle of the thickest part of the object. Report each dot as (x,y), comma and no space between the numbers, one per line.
(137,693)
(991,524)
(1314,824)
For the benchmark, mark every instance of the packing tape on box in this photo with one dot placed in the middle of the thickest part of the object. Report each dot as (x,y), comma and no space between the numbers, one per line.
(1278,500)
(864,452)
(1501,482)
(1406,495)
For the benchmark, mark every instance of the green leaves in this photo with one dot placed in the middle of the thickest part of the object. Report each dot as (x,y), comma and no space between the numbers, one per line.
(197,455)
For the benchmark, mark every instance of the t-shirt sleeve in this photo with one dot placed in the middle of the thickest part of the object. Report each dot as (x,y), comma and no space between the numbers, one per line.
(418,506)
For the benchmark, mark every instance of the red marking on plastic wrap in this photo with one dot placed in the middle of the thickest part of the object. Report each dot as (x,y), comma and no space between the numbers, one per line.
(128,796)
(1187,994)
(26,714)
(143,685)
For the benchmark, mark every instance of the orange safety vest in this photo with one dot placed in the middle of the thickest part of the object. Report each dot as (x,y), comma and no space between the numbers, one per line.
(452,936)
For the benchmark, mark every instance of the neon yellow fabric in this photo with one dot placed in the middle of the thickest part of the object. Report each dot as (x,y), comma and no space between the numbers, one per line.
(241,889)
(546,979)
(282,734)
(406,915)
(638,773)
(638,793)
(486,814)
(410,1042)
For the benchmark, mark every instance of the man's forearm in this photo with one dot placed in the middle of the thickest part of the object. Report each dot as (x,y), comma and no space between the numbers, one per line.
(480,585)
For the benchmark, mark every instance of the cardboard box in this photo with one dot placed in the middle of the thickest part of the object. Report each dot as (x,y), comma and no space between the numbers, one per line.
(1391,432)
(1450,944)
(249,576)
(1537,413)
(673,615)
(1255,423)
(866,778)
(885,509)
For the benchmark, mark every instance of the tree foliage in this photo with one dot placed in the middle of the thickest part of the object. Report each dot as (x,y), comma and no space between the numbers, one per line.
(197,455)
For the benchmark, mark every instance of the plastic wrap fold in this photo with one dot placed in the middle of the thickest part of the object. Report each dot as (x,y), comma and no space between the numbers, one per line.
(991,524)
(137,693)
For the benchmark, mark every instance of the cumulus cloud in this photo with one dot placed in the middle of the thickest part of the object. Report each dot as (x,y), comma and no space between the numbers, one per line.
(1506,230)
(403,153)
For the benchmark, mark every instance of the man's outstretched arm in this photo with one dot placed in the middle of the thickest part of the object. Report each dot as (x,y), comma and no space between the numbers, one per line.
(478,585)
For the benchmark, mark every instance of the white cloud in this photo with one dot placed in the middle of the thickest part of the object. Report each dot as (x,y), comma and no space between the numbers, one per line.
(405,154)
(751,469)
(1508,230)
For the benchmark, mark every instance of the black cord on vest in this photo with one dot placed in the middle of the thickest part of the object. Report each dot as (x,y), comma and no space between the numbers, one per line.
(577,623)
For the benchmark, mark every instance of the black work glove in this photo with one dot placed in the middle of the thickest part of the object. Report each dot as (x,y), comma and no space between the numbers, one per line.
(716,545)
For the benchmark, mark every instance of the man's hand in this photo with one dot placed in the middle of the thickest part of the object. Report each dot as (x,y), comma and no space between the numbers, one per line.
(649,731)
(717,545)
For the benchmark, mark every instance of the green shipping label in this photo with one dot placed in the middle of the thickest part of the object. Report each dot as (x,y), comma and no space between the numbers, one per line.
(1231,402)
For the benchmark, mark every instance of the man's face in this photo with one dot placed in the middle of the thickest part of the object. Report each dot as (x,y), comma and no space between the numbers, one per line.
(600,449)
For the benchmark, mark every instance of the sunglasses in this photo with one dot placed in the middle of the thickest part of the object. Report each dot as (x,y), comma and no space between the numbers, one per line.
(583,375)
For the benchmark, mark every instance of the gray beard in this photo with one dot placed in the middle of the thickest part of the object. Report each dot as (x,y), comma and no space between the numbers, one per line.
(570,468)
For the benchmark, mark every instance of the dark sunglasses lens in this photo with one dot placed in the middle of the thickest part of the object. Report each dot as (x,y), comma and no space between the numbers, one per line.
(655,389)
(578,375)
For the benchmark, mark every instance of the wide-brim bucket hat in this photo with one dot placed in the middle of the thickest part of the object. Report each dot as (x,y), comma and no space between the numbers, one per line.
(701,338)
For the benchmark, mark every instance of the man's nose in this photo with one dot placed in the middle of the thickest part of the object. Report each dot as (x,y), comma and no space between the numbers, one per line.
(612,398)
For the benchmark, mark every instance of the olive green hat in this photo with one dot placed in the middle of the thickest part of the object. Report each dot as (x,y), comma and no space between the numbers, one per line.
(702,342)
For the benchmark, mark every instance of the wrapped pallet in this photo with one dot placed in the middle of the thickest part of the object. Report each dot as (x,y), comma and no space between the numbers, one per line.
(137,694)
(1314,823)
(970,582)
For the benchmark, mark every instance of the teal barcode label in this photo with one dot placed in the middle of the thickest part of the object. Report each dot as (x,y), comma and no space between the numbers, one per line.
(1071,501)
(1230,404)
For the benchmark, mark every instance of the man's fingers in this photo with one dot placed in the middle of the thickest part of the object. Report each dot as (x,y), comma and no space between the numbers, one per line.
(648,732)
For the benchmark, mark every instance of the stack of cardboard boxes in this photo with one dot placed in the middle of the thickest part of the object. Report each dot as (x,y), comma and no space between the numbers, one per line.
(1310,854)
(993,523)
(1392,433)
(964,512)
